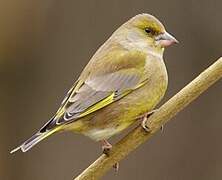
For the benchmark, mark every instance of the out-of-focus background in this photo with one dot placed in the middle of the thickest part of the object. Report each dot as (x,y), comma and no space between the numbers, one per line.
(44,45)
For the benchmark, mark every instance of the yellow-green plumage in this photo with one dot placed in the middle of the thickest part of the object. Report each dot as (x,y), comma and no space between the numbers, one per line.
(125,78)
(120,114)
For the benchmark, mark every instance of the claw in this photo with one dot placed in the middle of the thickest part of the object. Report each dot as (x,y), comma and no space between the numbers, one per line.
(161,128)
(116,167)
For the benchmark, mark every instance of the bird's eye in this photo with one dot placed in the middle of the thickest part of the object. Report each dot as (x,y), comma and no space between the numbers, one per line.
(148,30)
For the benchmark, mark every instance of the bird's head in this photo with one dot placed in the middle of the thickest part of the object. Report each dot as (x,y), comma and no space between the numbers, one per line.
(146,30)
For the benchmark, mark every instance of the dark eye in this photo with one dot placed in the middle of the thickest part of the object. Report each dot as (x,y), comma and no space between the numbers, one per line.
(148,30)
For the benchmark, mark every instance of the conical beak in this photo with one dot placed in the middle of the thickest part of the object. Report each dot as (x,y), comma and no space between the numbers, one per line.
(166,39)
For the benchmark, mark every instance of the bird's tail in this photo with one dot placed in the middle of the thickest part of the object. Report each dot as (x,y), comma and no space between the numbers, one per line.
(36,138)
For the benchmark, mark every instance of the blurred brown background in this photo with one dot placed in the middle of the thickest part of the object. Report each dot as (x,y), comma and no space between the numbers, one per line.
(44,45)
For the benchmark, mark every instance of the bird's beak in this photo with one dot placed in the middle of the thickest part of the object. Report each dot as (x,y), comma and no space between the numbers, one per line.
(165,39)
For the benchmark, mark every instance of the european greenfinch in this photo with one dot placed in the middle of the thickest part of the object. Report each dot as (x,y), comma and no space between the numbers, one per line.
(123,80)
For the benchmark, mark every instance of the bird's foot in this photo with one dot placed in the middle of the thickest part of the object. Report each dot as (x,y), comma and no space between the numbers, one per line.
(144,124)
(145,118)
(106,147)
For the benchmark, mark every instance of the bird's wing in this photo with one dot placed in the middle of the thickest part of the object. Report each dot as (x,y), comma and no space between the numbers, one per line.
(97,88)
(99,92)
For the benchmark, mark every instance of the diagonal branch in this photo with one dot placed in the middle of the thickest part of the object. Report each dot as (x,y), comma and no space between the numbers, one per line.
(138,136)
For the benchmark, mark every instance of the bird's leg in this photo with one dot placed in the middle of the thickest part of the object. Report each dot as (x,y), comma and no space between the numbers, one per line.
(148,114)
(106,147)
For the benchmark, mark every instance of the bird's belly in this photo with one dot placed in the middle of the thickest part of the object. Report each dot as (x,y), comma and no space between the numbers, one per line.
(102,133)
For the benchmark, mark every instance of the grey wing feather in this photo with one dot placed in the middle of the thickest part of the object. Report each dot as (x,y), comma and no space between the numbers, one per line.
(96,89)
(113,82)
(85,100)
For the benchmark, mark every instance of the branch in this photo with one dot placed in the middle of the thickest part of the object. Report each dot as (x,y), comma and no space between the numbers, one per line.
(168,110)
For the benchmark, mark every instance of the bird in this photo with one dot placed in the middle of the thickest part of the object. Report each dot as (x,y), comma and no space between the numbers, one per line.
(123,80)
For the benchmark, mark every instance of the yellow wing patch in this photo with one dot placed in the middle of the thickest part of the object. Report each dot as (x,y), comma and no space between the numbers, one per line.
(99,105)
(108,100)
